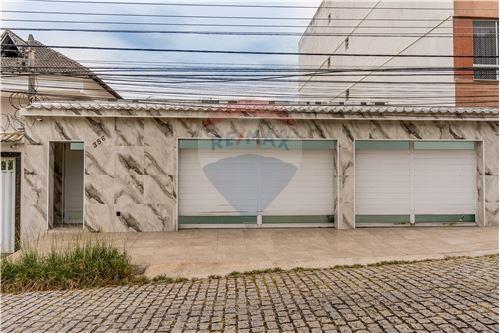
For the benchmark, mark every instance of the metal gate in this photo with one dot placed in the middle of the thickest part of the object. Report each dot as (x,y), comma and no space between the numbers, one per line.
(8,168)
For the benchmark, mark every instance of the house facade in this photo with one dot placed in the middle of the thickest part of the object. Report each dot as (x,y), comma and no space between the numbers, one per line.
(449,40)
(30,72)
(164,167)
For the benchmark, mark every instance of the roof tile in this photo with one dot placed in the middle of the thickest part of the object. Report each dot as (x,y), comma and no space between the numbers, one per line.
(197,106)
(47,61)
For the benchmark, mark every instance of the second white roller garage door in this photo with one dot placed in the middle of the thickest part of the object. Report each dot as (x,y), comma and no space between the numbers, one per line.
(415,182)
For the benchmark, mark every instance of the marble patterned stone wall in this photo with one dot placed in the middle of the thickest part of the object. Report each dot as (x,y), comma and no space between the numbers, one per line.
(133,169)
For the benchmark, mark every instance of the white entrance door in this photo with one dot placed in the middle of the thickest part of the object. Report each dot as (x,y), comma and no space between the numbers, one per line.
(403,182)
(256,184)
(73,183)
(8,168)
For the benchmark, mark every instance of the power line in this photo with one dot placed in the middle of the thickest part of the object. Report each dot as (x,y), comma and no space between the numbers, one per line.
(282,53)
(246,69)
(267,95)
(243,33)
(279,79)
(236,72)
(235,77)
(185,4)
(217,17)
(400,51)
(141,74)
(212,76)
(223,25)
(249,65)
(223,95)
(155,79)
(323,92)
(228,107)
(318,85)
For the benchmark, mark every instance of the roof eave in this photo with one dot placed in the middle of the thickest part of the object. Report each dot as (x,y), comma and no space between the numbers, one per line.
(106,86)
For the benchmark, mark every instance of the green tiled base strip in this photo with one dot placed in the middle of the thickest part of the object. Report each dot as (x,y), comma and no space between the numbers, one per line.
(382,145)
(444,145)
(428,218)
(405,145)
(382,218)
(217,219)
(283,219)
(315,219)
(445,218)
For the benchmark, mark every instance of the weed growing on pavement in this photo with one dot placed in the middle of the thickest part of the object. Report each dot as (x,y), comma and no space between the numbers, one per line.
(389,262)
(165,279)
(87,263)
(256,271)
(298,269)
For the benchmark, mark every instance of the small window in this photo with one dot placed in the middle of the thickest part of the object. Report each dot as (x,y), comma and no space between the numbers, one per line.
(347,43)
(328,62)
(347,94)
(485,44)
(329,18)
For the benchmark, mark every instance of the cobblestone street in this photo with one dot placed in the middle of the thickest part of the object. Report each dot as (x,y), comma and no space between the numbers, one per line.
(456,295)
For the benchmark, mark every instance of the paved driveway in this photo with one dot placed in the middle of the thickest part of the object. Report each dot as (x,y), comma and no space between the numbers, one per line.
(456,295)
(200,253)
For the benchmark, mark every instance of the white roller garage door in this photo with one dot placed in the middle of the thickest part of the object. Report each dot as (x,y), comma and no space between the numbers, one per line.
(383,182)
(256,184)
(415,182)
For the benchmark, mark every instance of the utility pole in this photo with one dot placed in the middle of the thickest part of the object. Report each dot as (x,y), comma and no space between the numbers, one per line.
(31,64)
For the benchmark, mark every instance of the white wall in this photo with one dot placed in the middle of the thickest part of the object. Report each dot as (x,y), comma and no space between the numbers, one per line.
(392,93)
(58,87)
(48,88)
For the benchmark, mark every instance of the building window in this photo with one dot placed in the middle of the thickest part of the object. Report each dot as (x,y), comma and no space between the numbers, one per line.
(347,43)
(485,43)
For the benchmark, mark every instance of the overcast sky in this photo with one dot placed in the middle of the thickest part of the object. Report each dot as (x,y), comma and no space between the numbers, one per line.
(173,41)
(213,42)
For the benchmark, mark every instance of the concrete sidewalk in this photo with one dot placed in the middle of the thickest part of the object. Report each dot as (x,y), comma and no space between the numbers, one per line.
(200,253)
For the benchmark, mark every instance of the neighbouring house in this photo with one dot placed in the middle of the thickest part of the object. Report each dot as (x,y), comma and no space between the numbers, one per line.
(168,166)
(32,72)
(463,33)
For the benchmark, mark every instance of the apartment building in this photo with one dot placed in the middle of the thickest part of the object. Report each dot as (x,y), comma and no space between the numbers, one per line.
(475,31)
(402,53)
